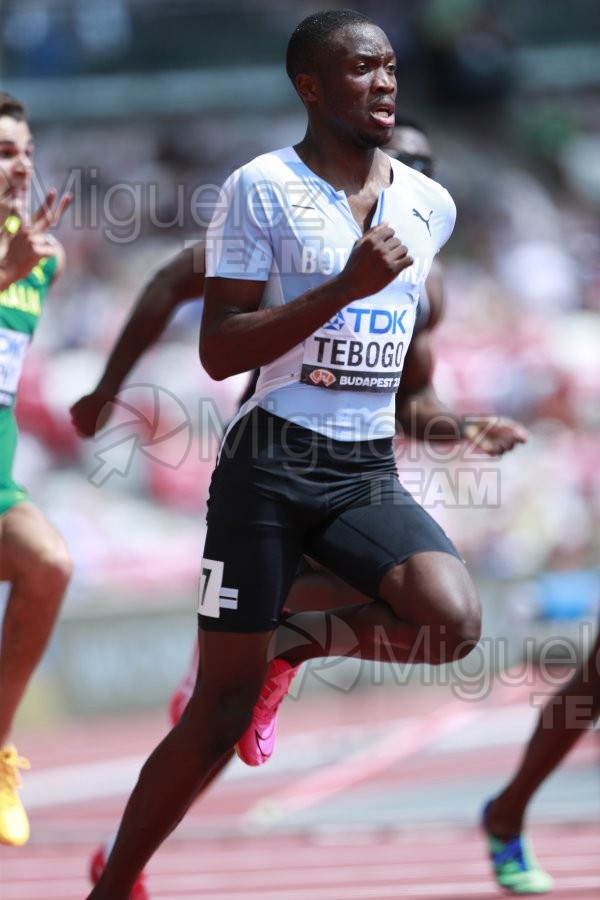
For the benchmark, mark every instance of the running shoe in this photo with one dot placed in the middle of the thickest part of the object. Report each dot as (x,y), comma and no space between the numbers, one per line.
(14,825)
(98,864)
(183,691)
(258,742)
(515,867)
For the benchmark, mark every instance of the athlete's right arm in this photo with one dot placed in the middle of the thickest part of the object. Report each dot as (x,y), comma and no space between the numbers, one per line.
(237,336)
(180,280)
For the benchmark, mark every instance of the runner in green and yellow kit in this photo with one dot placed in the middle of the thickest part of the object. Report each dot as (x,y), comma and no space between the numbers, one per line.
(33,556)
(20,308)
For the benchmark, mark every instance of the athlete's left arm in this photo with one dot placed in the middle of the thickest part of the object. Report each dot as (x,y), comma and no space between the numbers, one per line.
(421,415)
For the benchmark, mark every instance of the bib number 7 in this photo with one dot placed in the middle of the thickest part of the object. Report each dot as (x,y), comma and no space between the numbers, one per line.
(209,590)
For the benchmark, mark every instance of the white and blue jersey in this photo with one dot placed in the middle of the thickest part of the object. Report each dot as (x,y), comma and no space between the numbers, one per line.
(279,222)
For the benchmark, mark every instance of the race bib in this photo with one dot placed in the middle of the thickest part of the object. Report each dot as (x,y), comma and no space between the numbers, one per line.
(212,595)
(362,348)
(211,580)
(13,348)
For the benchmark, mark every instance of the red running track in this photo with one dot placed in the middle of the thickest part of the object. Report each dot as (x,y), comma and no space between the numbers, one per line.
(355,804)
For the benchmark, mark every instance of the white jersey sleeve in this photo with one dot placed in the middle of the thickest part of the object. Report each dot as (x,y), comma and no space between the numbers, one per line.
(238,242)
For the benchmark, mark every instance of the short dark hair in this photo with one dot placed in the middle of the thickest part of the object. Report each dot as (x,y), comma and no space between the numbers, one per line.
(10,106)
(312,35)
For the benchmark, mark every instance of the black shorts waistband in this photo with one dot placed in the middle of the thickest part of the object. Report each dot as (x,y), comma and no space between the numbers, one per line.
(265,429)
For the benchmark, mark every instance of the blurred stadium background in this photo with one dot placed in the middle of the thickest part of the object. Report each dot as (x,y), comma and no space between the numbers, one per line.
(141,109)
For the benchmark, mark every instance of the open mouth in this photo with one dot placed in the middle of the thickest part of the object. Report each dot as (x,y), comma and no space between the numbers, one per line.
(384,114)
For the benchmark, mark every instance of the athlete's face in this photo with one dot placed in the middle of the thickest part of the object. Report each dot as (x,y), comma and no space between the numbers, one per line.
(411,147)
(16,166)
(357,85)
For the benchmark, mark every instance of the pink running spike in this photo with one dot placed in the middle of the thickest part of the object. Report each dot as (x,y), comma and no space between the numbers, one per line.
(258,742)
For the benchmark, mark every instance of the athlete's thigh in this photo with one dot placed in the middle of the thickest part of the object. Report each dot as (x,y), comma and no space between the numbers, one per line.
(254,536)
(247,570)
(26,535)
(365,541)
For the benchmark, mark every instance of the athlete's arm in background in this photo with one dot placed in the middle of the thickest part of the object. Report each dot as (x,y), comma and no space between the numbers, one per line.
(32,243)
(421,415)
(177,282)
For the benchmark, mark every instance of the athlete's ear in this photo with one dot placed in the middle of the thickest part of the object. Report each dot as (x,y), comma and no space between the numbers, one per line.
(307,87)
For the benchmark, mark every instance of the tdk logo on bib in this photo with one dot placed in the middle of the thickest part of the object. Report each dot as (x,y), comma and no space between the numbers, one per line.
(377,321)
(369,321)
(335,324)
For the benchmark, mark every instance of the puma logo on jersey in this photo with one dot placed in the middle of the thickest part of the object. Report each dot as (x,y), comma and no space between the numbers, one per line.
(423,219)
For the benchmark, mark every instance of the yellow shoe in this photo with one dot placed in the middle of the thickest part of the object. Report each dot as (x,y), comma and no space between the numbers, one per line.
(14,825)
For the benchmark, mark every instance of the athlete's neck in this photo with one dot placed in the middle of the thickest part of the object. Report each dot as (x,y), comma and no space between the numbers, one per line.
(346,167)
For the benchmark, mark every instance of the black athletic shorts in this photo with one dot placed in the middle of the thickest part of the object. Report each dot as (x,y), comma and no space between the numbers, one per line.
(280,491)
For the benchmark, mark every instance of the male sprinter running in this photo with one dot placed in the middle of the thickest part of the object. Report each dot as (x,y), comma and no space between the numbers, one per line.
(325,304)
(33,556)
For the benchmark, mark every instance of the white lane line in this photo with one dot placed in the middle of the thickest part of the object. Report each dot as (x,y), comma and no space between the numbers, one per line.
(83,781)
(106,778)
(115,777)
(403,741)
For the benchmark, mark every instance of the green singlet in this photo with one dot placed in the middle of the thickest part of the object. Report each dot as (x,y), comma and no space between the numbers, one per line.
(20,309)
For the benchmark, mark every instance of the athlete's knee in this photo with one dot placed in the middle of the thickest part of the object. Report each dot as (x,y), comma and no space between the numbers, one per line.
(230,724)
(461,626)
(434,594)
(229,714)
(57,564)
(53,566)
(458,615)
